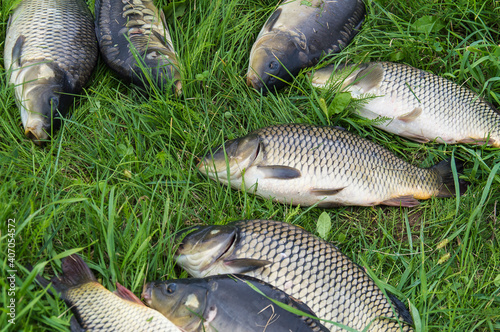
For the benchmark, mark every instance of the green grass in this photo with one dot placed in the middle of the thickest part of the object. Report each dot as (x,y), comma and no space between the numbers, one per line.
(119,179)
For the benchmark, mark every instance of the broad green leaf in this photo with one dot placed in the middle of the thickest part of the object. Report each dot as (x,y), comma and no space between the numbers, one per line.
(324,225)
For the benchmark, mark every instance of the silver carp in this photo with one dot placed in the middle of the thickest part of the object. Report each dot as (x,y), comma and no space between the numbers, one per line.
(304,266)
(135,42)
(416,104)
(97,309)
(227,303)
(297,34)
(50,53)
(306,165)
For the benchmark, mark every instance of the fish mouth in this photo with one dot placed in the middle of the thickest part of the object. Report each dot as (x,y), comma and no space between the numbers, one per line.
(36,134)
(146,293)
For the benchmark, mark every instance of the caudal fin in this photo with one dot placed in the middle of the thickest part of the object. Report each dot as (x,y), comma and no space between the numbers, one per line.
(447,188)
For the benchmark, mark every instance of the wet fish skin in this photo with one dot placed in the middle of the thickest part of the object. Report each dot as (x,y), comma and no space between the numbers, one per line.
(419,105)
(227,303)
(306,165)
(135,42)
(304,266)
(50,53)
(297,34)
(97,309)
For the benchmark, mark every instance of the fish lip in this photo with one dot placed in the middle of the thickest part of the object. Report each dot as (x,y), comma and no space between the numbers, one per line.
(36,134)
(146,293)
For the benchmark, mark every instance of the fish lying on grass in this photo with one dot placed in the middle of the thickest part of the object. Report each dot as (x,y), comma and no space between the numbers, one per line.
(97,309)
(135,42)
(306,165)
(299,263)
(50,52)
(227,303)
(297,34)
(418,105)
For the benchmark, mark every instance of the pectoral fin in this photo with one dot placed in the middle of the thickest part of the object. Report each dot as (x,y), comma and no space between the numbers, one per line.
(16,50)
(411,116)
(370,77)
(279,172)
(244,265)
(324,191)
(274,17)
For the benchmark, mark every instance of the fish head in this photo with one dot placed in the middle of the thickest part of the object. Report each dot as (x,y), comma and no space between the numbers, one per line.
(206,248)
(40,99)
(182,301)
(274,58)
(241,153)
(160,68)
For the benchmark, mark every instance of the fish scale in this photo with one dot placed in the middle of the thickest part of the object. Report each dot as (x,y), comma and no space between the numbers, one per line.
(304,164)
(419,105)
(299,263)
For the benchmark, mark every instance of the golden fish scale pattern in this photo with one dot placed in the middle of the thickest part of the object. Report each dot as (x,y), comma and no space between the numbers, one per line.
(102,310)
(61,31)
(453,106)
(317,273)
(337,156)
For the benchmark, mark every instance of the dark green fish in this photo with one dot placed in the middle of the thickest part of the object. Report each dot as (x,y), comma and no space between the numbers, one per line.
(50,52)
(135,42)
(297,34)
(98,309)
(227,303)
(306,165)
(299,263)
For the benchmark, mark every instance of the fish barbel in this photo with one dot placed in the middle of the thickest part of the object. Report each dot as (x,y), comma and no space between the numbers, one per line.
(297,34)
(417,104)
(306,165)
(97,309)
(50,52)
(297,262)
(227,303)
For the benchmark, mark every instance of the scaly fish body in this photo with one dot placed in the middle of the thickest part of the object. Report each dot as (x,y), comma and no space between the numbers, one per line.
(297,262)
(135,42)
(297,34)
(50,52)
(419,105)
(98,309)
(227,303)
(303,164)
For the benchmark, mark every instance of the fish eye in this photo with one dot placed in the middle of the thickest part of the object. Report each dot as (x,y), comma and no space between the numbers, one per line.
(273,65)
(53,102)
(171,288)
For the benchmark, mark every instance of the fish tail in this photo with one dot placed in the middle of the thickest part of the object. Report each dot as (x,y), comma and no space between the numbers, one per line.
(75,273)
(447,183)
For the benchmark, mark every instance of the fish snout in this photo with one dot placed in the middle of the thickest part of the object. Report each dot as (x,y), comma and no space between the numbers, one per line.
(254,81)
(146,293)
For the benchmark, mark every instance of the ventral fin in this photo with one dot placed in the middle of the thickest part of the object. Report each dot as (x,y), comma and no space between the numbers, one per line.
(369,77)
(406,201)
(279,172)
(415,137)
(325,191)
(16,50)
(411,116)
(272,20)
(245,265)
(124,293)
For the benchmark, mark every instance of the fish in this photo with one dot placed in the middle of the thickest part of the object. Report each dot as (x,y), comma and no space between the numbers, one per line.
(297,34)
(50,53)
(416,104)
(97,309)
(301,164)
(306,267)
(227,303)
(135,42)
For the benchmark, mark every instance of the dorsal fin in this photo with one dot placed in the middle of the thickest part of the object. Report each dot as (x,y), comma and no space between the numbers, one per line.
(126,294)
(75,273)
(272,19)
